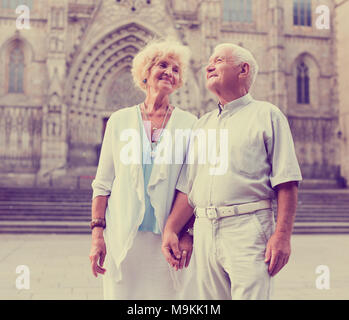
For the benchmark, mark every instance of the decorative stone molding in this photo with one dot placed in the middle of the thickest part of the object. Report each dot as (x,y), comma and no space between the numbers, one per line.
(20,136)
(114,52)
(314,145)
(134,5)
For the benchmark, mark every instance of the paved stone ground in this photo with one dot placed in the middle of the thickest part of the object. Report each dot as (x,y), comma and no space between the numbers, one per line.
(60,269)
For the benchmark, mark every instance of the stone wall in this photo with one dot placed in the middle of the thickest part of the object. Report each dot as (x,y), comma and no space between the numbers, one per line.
(342,27)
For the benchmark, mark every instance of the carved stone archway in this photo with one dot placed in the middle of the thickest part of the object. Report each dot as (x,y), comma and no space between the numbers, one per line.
(88,93)
(122,91)
(114,52)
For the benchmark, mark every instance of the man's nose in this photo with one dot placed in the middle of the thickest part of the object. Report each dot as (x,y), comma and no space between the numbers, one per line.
(210,68)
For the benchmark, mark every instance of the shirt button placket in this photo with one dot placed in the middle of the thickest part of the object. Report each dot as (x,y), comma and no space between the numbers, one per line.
(211,178)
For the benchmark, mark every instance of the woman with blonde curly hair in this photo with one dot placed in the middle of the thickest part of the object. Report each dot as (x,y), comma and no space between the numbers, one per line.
(133,190)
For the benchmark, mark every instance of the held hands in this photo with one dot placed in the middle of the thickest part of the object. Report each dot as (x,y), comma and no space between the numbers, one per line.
(186,247)
(277,253)
(177,251)
(97,255)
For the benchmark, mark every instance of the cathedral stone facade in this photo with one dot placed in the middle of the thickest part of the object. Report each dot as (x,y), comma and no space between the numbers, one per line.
(61,78)
(342,83)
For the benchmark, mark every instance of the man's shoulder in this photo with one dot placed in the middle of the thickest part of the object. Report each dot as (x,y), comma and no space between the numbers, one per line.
(267,108)
(206,116)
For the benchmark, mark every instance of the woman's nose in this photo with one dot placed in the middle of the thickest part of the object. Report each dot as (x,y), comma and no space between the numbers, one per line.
(168,71)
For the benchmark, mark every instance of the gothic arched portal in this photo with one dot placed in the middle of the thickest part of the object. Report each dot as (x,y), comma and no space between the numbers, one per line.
(122,91)
(100,84)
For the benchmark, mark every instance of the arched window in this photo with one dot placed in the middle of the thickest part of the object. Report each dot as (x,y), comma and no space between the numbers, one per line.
(303,94)
(16,70)
(237,10)
(302,12)
(13,4)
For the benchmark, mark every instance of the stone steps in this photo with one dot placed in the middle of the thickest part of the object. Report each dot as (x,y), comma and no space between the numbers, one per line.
(321,228)
(24,211)
(45,195)
(36,226)
(69,211)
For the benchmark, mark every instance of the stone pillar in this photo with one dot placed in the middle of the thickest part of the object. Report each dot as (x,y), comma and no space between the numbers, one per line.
(342,87)
(276,55)
(211,15)
(54,132)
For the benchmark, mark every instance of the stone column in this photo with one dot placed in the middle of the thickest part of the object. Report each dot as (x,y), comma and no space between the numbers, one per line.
(276,55)
(341,86)
(211,34)
(54,133)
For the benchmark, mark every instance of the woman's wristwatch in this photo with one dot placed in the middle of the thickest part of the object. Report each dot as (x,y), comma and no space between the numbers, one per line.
(97,223)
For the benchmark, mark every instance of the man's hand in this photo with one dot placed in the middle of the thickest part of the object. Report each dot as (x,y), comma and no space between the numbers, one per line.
(186,248)
(279,247)
(277,253)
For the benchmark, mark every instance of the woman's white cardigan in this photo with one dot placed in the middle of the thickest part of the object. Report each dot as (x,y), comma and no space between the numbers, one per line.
(120,175)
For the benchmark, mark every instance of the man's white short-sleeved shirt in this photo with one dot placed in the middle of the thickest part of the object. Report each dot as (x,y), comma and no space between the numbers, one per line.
(248,150)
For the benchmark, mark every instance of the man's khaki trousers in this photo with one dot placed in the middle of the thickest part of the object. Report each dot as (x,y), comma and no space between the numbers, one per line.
(230,254)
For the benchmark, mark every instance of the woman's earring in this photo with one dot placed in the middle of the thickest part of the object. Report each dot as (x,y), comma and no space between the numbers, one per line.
(145,81)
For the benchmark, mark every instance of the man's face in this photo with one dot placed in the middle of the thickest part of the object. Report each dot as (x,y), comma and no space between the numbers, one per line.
(222,73)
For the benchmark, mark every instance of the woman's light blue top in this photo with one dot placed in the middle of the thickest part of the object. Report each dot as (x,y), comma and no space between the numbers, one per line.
(149,222)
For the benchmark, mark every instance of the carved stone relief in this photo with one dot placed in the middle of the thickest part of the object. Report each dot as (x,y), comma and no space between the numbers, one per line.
(122,91)
(20,139)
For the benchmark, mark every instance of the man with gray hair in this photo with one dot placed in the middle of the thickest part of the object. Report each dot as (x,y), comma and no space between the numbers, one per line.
(238,248)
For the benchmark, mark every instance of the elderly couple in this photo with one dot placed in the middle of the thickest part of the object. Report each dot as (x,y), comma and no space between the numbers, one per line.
(145,210)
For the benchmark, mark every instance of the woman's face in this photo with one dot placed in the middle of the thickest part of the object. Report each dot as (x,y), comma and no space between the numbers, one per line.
(164,76)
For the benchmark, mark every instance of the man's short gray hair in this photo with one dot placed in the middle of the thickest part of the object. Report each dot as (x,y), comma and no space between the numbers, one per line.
(242,55)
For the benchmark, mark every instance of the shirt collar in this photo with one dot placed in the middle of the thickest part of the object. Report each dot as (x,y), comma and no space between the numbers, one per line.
(235,105)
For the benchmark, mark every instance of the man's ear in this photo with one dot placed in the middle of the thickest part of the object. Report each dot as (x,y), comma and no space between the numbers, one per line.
(245,70)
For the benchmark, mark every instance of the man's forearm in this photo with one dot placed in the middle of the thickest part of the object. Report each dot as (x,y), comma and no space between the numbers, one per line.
(181,213)
(287,195)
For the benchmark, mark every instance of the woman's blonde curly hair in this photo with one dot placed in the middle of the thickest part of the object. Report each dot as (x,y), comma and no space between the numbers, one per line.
(152,53)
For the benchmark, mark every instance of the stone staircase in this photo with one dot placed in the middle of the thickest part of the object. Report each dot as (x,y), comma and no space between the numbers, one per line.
(68,211)
(45,211)
(322,211)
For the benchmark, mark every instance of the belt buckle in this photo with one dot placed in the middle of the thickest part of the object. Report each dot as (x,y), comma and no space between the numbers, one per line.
(211,212)
(236,210)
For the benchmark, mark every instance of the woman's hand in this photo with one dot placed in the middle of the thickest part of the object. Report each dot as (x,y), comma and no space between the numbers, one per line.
(186,248)
(177,251)
(170,248)
(98,252)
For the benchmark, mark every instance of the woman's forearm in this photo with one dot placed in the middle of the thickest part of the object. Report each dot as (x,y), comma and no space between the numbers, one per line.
(99,205)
